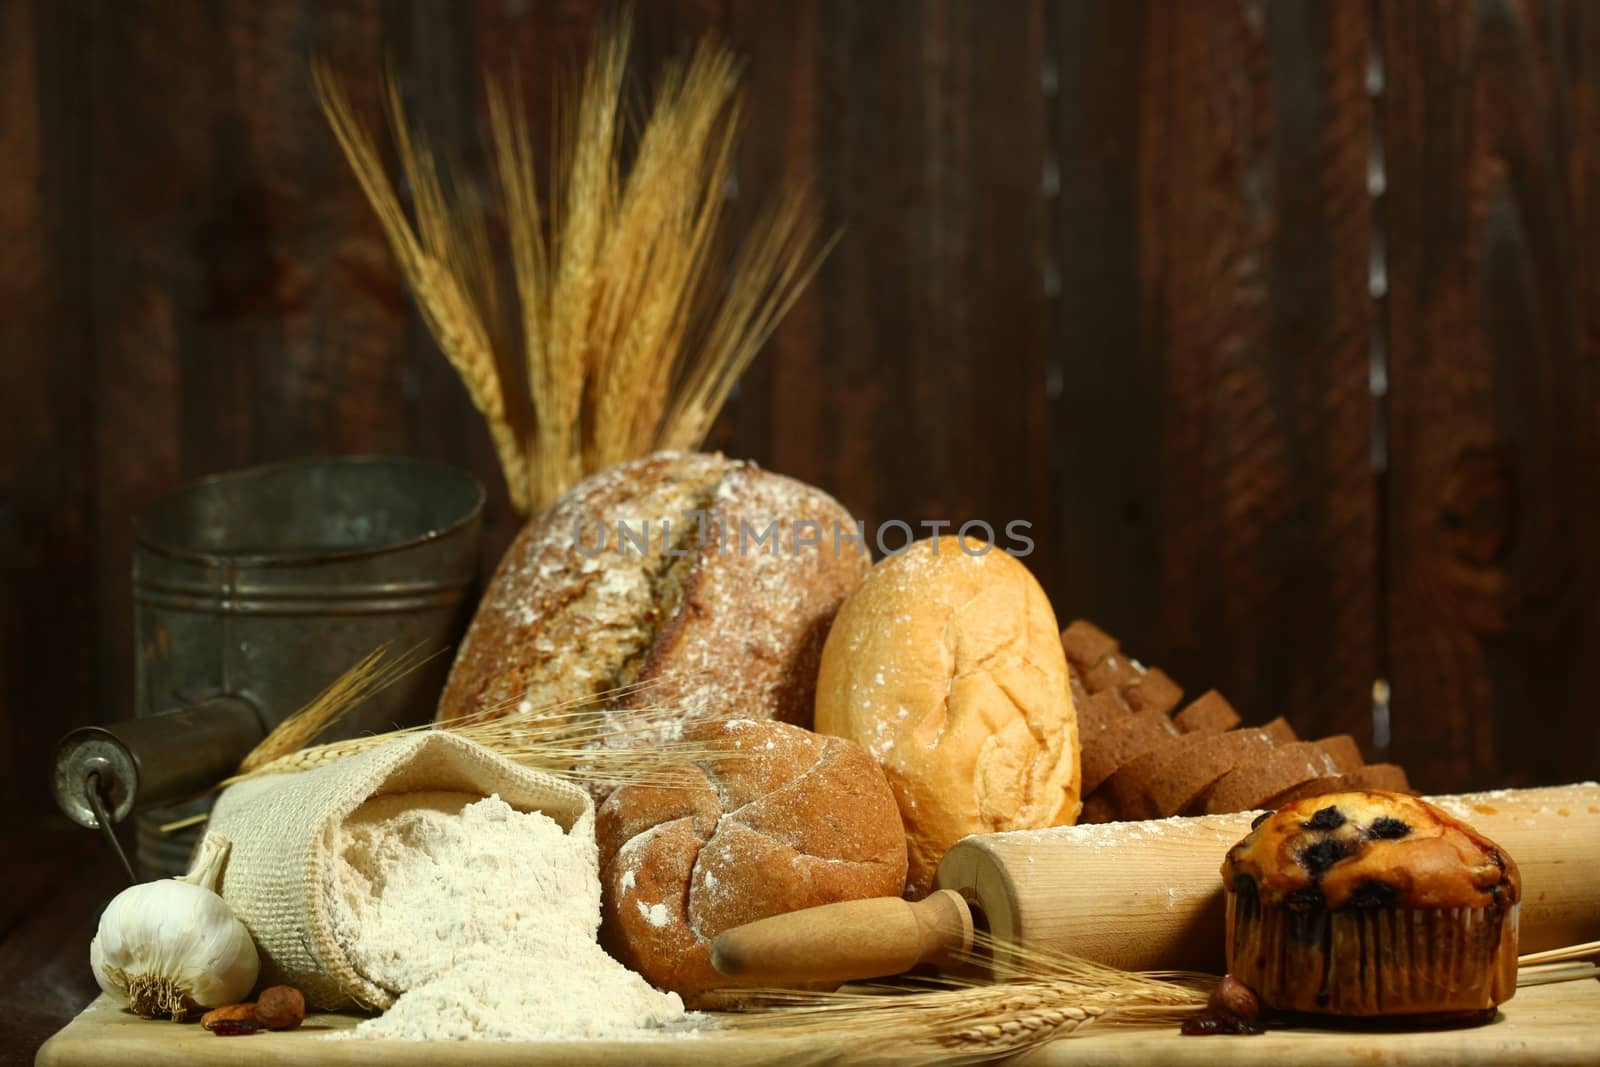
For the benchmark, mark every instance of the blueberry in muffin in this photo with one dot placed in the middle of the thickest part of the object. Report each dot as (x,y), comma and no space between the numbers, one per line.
(1369,903)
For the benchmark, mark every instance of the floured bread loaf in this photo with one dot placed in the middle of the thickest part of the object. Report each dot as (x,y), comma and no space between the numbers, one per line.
(948,668)
(790,820)
(657,571)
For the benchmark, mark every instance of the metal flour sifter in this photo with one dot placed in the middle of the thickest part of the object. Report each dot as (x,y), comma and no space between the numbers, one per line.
(253,590)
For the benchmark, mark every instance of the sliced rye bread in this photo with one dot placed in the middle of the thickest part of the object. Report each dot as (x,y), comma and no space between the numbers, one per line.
(1086,645)
(1254,782)
(1388,777)
(1133,735)
(1080,692)
(1097,808)
(1209,713)
(1104,754)
(1153,691)
(1098,713)
(1175,784)
(1129,786)
(1113,672)
(1135,767)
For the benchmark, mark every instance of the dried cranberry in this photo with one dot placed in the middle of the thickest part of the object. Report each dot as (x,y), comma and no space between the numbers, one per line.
(1207,1023)
(232,1027)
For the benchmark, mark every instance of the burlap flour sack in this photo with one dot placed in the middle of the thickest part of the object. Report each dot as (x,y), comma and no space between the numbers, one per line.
(279,877)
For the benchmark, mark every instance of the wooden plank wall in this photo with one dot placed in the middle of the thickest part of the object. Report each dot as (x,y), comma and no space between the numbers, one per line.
(1107,267)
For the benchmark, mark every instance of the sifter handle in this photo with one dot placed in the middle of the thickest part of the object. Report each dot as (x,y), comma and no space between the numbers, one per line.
(153,760)
(847,941)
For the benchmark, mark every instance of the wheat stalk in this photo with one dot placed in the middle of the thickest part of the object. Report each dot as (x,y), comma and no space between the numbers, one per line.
(633,331)
(568,740)
(1045,996)
(1560,955)
(372,674)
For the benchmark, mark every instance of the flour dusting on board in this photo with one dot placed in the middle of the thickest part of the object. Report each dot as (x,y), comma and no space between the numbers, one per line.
(483,920)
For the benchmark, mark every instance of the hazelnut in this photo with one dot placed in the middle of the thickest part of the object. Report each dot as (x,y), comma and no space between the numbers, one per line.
(280,1007)
(1233,998)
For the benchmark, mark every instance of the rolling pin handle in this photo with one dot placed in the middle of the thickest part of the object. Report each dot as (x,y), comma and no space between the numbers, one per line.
(844,942)
(946,921)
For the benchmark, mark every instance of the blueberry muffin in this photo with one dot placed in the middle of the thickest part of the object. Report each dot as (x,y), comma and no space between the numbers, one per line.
(1369,903)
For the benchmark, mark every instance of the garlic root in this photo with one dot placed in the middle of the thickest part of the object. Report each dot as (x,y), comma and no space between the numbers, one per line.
(153,995)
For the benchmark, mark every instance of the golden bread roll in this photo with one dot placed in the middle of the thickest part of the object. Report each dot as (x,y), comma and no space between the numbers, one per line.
(947,667)
(790,820)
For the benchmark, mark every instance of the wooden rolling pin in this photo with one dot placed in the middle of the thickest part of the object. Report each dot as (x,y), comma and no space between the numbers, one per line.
(1140,895)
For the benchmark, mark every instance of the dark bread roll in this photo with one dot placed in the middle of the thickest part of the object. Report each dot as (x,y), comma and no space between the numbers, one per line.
(714,619)
(790,820)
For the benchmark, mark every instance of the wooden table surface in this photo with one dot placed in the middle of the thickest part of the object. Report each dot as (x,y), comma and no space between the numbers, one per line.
(1546,1025)
(60,877)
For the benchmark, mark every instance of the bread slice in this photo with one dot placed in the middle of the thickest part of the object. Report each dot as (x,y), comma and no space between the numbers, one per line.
(1129,787)
(1080,692)
(1086,645)
(1210,713)
(1132,736)
(1099,712)
(1098,808)
(1254,782)
(1136,764)
(1153,691)
(1105,754)
(1385,776)
(1113,672)
(1176,782)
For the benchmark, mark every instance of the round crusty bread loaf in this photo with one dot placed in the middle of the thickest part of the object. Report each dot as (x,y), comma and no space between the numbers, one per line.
(793,819)
(948,668)
(708,616)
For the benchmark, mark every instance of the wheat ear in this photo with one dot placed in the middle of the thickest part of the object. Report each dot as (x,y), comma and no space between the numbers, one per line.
(431,267)
(372,674)
(1045,996)
(633,328)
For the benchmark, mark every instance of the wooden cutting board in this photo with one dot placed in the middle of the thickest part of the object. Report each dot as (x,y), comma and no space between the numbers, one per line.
(1551,1024)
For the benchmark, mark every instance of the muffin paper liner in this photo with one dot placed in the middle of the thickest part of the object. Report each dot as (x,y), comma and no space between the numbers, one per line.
(1383,961)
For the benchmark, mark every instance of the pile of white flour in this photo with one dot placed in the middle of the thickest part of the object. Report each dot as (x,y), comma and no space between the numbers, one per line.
(483,920)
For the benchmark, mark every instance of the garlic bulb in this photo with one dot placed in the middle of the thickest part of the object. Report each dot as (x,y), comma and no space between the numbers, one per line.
(171,946)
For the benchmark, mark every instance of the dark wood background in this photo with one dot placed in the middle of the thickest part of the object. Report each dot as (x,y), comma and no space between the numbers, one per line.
(1279,321)
(1116,268)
